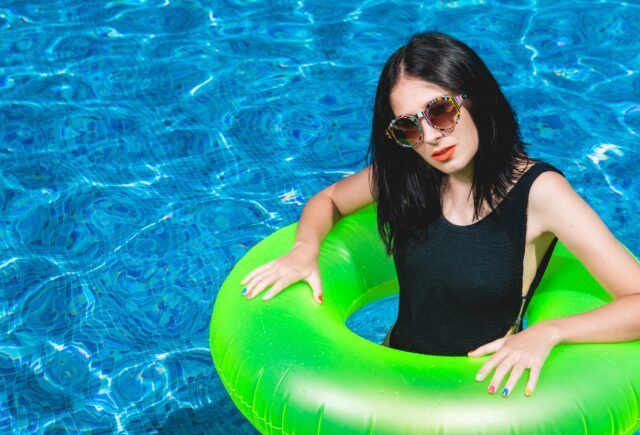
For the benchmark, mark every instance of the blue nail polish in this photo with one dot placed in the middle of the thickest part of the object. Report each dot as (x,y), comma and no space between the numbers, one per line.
(505,392)
(244,290)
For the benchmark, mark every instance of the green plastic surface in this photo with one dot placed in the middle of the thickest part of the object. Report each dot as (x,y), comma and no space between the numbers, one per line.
(292,366)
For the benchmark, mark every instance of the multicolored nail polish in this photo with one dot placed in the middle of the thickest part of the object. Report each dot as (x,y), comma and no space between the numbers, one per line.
(505,392)
(492,389)
(527,392)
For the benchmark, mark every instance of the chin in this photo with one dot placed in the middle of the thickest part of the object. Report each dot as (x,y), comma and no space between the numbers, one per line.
(452,165)
(447,166)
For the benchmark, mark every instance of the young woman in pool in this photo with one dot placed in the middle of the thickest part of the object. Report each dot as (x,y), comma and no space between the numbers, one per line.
(470,219)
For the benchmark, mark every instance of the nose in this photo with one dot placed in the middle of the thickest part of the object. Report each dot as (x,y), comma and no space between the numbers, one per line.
(431,134)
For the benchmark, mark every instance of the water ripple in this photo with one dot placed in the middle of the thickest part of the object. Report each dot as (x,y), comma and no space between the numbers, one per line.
(145,146)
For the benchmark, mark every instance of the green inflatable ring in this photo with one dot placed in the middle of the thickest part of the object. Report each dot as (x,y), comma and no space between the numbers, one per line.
(291,365)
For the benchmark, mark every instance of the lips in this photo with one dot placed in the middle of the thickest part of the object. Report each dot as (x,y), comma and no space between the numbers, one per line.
(442,150)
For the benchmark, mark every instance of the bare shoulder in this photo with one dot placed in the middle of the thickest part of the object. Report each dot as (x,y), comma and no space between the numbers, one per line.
(549,191)
(549,185)
(562,211)
(539,191)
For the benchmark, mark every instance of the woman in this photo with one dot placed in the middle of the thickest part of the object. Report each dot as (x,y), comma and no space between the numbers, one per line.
(470,219)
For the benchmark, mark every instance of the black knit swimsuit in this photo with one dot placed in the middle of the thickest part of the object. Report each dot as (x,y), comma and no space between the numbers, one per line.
(462,287)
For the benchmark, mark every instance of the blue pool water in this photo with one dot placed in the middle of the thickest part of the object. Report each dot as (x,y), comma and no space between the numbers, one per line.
(146,146)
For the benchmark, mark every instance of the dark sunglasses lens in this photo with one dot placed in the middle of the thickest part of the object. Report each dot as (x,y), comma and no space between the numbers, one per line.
(406,131)
(443,114)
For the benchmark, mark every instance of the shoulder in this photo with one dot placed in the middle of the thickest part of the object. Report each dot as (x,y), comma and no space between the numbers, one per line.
(552,201)
(549,191)
(548,181)
(560,210)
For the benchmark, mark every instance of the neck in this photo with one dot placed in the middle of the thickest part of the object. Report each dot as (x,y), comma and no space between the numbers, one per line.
(458,185)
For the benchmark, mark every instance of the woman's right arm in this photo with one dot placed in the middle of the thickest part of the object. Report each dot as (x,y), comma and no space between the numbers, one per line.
(318,217)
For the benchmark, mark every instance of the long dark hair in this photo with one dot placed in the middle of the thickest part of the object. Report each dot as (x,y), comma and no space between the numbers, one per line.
(407,189)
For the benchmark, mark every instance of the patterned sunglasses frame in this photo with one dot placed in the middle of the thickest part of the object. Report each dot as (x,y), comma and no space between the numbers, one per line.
(457,103)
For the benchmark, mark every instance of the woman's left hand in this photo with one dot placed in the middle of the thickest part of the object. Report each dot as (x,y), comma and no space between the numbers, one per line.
(527,349)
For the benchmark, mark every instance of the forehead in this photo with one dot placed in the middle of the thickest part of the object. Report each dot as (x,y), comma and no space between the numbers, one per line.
(410,95)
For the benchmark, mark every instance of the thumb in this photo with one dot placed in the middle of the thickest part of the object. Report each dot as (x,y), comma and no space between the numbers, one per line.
(314,282)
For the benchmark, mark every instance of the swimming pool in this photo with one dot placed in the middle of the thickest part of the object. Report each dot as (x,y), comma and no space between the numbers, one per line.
(146,146)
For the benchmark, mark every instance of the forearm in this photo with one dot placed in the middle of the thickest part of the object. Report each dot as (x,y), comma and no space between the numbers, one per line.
(616,321)
(318,217)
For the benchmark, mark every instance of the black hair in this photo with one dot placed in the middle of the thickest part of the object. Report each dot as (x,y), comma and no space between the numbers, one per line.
(406,188)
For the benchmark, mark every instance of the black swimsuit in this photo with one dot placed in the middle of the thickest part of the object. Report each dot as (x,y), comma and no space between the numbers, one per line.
(462,287)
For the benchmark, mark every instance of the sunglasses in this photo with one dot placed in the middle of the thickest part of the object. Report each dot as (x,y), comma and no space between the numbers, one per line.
(442,113)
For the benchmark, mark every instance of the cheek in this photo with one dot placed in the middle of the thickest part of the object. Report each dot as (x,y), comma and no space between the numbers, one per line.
(470,135)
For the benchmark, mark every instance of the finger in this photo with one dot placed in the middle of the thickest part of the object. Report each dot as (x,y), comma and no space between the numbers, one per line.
(256,271)
(275,289)
(502,369)
(253,282)
(256,274)
(260,283)
(490,347)
(316,287)
(534,374)
(265,280)
(516,373)
(490,365)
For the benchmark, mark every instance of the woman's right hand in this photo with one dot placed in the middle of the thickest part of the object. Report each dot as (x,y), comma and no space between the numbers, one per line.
(300,263)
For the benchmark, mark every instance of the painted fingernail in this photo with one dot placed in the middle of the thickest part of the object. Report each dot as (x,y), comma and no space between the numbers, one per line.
(244,291)
(527,392)
(492,389)
(320,298)
(479,377)
(505,392)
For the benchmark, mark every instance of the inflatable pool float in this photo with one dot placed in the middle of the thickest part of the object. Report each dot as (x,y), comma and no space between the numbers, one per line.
(291,365)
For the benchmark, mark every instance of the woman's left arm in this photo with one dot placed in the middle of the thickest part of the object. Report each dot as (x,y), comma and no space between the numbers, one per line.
(563,212)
